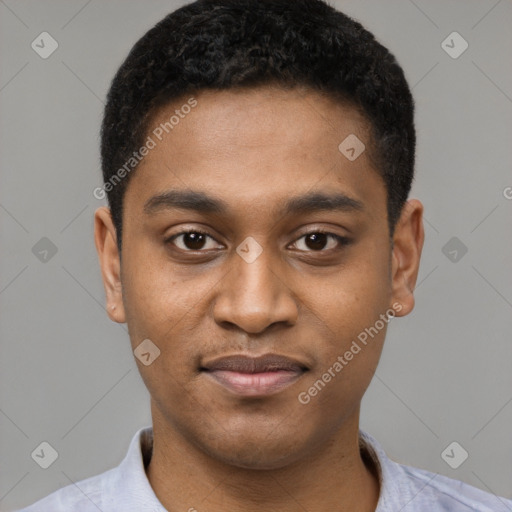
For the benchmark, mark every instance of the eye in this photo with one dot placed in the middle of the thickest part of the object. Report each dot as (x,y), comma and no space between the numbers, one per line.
(316,241)
(192,240)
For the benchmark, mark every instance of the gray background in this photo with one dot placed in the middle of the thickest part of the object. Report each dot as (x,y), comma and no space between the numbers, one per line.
(67,374)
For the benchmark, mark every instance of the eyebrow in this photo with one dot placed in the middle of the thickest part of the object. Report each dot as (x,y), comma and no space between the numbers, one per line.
(200,202)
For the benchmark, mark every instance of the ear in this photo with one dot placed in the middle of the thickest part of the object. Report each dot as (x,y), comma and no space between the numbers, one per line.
(408,240)
(105,238)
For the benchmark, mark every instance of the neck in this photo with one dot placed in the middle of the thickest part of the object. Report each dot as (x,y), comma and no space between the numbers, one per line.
(333,477)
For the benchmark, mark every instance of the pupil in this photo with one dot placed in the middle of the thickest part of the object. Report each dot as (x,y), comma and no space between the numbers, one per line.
(194,241)
(318,240)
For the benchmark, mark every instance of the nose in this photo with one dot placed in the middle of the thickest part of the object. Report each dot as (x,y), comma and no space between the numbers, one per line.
(254,296)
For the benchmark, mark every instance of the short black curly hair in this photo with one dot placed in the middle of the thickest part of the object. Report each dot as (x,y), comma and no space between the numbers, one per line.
(223,44)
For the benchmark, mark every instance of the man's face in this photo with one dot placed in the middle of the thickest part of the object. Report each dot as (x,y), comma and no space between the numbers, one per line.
(256,283)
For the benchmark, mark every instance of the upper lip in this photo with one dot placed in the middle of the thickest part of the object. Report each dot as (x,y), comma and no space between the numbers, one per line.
(259,364)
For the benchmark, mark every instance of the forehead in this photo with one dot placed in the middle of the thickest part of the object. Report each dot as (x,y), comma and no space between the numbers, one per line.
(260,146)
(266,116)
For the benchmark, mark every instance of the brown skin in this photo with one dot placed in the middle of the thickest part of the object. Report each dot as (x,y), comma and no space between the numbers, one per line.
(254,149)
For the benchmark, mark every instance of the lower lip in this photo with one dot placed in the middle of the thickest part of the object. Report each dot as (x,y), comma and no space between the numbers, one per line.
(255,384)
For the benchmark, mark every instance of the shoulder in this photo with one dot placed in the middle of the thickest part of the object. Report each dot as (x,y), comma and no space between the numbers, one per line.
(124,488)
(83,496)
(432,491)
(409,489)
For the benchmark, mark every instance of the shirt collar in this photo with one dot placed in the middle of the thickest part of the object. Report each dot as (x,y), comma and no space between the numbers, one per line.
(389,481)
(132,482)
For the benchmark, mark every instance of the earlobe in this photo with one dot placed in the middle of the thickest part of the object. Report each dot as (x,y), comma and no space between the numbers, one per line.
(408,241)
(105,240)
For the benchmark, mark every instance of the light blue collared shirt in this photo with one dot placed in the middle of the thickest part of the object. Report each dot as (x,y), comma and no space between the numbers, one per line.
(126,488)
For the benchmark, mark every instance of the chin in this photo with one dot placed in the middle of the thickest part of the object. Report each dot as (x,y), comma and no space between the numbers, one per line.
(258,449)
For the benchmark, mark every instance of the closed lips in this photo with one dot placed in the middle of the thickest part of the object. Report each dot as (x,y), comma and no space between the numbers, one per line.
(255,377)
(261,364)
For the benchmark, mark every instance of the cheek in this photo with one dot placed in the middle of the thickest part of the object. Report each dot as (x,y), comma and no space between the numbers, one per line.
(168,308)
(351,305)
(154,304)
(353,299)
(154,298)
(347,364)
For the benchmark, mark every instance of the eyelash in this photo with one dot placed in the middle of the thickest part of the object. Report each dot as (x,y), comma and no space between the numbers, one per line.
(342,241)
